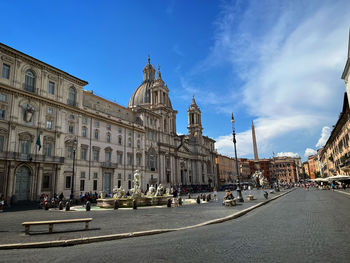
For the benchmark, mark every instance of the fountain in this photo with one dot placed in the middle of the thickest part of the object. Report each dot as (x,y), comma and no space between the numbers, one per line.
(153,197)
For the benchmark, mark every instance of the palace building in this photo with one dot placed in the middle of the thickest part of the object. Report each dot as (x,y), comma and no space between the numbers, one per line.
(57,137)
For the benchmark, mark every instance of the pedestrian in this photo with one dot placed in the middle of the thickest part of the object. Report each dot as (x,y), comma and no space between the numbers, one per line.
(175,201)
(215,194)
(332,186)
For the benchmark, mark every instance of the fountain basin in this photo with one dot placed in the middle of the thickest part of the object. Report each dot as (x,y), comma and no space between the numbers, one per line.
(128,202)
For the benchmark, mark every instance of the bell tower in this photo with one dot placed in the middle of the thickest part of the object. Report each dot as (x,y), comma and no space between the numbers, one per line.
(194,120)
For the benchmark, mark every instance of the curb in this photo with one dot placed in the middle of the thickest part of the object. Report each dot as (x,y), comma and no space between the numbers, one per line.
(87,240)
(342,192)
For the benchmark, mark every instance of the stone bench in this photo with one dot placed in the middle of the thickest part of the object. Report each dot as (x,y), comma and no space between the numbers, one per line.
(52,222)
(250,197)
(230,202)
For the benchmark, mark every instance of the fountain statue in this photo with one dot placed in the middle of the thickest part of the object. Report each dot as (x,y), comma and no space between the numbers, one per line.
(153,197)
(260,179)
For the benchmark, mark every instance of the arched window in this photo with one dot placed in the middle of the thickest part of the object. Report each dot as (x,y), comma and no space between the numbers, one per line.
(29,82)
(72,96)
(108,137)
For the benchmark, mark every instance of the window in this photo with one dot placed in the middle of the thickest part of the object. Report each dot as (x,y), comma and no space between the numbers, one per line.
(120,140)
(84,120)
(25,146)
(95,175)
(46,182)
(97,124)
(82,175)
(83,132)
(71,129)
(72,96)
(3,97)
(51,87)
(29,83)
(108,156)
(95,185)
(83,153)
(108,127)
(47,149)
(5,71)
(96,134)
(68,181)
(70,152)
(108,137)
(50,110)
(138,144)
(129,158)
(49,124)
(82,185)
(120,130)
(71,117)
(1,143)
(120,158)
(2,114)
(129,142)
(138,159)
(96,155)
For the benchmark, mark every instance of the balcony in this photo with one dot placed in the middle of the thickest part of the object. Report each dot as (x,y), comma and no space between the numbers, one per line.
(36,158)
(29,88)
(71,103)
(109,165)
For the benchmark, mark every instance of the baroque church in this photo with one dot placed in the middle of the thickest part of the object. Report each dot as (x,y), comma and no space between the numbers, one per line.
(57,137)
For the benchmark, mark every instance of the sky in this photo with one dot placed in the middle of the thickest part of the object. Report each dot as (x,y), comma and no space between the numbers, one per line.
(276,63)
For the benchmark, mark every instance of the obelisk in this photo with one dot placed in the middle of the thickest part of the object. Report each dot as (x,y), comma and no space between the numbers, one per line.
(256,158)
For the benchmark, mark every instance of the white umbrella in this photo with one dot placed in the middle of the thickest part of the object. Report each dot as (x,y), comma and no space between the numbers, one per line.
(320,180)
(338,177)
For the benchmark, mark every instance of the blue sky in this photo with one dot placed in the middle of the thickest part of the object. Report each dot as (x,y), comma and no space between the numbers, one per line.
(277,63)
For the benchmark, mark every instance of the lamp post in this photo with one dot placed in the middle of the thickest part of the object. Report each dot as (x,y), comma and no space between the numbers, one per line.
(239,192)
(75,143)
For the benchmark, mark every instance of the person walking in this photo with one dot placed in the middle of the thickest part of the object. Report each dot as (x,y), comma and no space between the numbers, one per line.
(215,194)
(175,201)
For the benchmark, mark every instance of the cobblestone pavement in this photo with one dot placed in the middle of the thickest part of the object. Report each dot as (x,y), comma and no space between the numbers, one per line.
(303,226)
(114,221)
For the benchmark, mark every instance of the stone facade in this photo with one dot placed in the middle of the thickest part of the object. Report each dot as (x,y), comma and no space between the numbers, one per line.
(47,119)
(226,169)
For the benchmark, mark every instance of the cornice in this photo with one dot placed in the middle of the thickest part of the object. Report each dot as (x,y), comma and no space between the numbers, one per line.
(65,106)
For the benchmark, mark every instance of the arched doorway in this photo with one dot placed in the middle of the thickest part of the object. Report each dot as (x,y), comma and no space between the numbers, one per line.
(22,183)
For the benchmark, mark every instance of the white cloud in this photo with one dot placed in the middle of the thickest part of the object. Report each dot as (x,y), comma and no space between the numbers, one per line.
(290,65)
(287,154)
(326,131)
(309,152)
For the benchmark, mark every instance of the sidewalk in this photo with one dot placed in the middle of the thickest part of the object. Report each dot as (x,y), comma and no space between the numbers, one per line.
(116,221)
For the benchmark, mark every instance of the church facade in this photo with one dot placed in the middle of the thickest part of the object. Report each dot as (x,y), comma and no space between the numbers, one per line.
(57,137)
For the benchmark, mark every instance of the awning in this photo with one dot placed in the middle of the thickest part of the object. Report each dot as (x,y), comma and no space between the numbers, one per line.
(338,177)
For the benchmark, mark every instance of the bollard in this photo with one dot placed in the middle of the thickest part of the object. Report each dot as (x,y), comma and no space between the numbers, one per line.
(67,206)
(169,203)
(198,200)
(88,206)
(189,196)
(208,198)
(180,201)
(134,205)
(266,195)
(203,197)
(60,205)
(116,204)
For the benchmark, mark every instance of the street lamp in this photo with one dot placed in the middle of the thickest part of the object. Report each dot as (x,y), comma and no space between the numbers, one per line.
(75,143)
(239,192)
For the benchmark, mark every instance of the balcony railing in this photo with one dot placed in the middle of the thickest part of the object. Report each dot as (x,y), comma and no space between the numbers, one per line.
(16,156)
(29,88)
(109,165)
